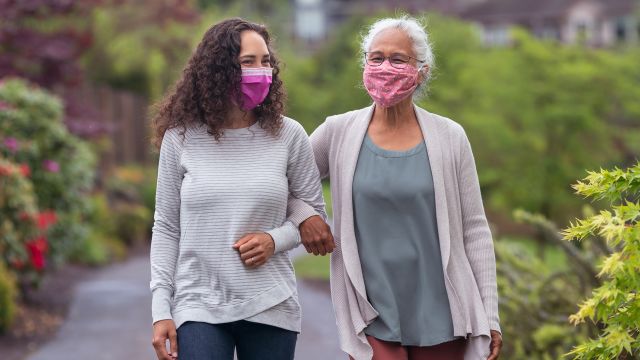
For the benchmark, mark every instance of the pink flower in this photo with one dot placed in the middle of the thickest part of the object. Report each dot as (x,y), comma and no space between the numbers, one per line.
(10,143)
(4,105)
(51,166)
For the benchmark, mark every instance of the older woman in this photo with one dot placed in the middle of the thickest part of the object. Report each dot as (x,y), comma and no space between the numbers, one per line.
(413,272)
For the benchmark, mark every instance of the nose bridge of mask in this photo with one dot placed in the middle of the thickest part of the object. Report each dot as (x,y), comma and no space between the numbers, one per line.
(257,75)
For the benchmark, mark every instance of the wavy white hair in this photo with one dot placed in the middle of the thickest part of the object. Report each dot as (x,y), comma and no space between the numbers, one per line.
(416,32)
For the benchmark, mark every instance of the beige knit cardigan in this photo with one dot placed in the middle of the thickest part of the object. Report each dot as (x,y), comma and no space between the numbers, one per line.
(466,243)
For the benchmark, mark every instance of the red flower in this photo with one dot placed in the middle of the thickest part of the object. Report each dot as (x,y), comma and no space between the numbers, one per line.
(46,219)
(37,249)
(25,170)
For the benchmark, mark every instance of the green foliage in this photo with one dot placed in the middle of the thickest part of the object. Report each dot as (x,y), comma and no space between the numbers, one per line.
(536,103)
(91,250)
(8,293)
(132,189)
(141,45)
(615,305)
(330,81)
(101,245)
(535,297)
(60,166)
(133,222)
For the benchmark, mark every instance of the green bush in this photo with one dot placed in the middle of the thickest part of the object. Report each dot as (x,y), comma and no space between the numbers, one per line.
(8,293)
(535,296)
(102,244)
(133,222)
(132,190)
(18,220)
(98,249)
(61,165)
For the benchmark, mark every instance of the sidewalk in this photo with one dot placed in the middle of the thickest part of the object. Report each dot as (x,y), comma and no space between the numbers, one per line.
(110,318)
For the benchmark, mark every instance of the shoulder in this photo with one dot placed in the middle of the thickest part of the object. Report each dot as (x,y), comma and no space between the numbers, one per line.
(178,137)
(292,130)
(446,127)
(345,119)
(292,126)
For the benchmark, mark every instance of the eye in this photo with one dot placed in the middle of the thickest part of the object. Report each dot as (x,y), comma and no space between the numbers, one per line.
(398,60)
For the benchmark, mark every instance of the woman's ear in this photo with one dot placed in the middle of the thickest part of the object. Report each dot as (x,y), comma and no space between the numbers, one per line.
(424,73)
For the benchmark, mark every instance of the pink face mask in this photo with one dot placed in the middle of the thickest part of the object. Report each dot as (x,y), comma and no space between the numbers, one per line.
(387,85)
(254,86)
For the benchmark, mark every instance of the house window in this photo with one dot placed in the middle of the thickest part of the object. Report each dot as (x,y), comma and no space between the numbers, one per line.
(621,30)
(496,35)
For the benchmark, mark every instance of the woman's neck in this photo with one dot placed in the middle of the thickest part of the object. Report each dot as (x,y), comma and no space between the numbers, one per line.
(238,118)
(396,116)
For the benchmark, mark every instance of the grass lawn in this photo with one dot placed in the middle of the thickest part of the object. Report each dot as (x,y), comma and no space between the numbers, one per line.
(312,267)
(326,192)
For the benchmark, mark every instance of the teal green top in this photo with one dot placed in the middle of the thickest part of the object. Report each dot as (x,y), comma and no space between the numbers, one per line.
(397,236)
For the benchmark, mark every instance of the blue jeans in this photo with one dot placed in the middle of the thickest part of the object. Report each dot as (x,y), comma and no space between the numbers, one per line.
(252,341)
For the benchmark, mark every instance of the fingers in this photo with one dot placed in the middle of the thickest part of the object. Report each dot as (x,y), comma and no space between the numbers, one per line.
(249,245)
(159,344)
(316,236)
(253,251)
(330,244)
(173,344)
(496,345)
(494,354)
(243,240)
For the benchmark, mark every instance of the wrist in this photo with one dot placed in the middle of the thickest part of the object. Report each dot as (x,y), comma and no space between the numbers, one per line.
(271,243)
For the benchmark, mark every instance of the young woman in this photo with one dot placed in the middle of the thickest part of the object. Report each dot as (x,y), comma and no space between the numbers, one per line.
(220,273)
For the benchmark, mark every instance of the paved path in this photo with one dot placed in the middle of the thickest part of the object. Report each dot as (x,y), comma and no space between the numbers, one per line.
(109,318)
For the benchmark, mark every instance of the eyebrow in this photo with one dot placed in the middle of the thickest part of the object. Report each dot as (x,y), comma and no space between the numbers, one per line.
(382,53)
(251,57)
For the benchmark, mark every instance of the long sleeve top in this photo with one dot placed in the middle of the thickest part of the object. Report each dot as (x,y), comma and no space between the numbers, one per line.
(210,194)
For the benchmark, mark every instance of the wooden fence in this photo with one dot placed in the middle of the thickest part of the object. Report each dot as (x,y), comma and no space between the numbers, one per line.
(125,114)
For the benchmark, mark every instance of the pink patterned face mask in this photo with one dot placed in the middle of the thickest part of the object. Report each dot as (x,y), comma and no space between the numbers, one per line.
(254,87)
(388,85)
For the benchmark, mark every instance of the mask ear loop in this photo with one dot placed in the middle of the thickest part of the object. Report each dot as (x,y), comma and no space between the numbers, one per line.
(426,76)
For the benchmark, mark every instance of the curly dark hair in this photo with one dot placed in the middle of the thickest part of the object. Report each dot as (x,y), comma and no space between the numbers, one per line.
(213,72)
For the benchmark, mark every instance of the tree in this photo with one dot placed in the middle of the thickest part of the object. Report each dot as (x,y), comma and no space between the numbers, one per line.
(43,41)
(141,46)
(615,305)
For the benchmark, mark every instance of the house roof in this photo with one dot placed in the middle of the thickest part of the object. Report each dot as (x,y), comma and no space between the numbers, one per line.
(518,11)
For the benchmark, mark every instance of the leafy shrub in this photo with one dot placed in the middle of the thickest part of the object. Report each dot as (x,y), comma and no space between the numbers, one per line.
(615,305)
(61,166)
(133,222)
(8,293)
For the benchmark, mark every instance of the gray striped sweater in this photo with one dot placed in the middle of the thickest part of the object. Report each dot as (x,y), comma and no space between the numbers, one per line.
(210,194)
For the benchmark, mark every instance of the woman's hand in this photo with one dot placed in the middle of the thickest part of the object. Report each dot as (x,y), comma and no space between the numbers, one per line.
(316,236)
(496,345)
(255,249)
(164,330)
